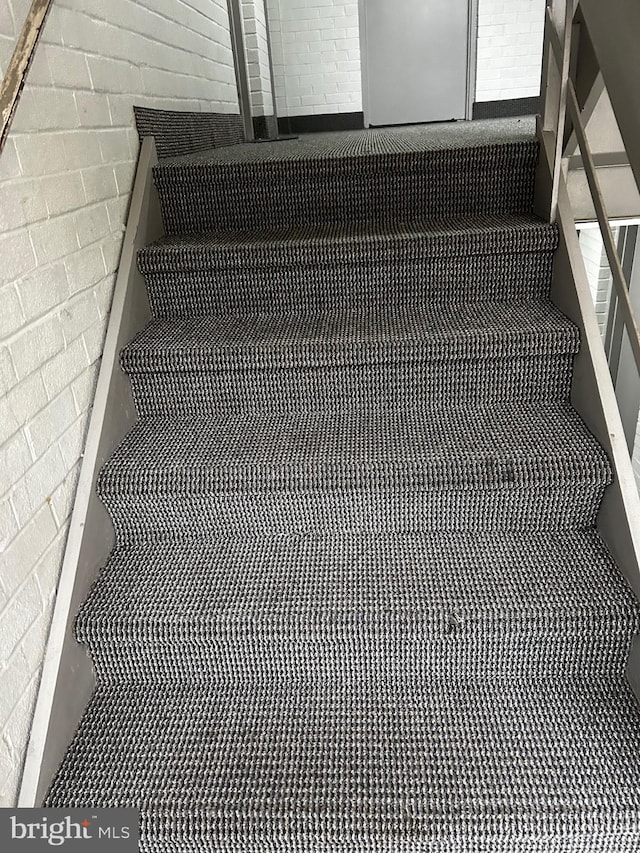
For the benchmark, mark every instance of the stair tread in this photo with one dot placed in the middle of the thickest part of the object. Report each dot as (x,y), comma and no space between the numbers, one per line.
(424,584)
(338,617)
(429,332)
(461,236)
(516,445)
(373,142)
(379,760)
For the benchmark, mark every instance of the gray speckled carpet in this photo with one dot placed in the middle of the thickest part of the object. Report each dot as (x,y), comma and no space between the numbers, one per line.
(357,600)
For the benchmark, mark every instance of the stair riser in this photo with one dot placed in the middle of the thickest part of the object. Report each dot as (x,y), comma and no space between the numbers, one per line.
(431,384)
(495,179)
(267,691)
(310,286)
(408,766)
(357,655)
(290,513)
(467,840)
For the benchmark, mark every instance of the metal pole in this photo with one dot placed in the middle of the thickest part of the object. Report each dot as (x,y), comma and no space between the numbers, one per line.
(271,77)
(240,64)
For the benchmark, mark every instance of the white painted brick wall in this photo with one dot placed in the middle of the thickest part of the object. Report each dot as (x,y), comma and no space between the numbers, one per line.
(316,56)
(601,283)
(509,59)
(316,53)
(65,178)
(635,460)
(255,34)
(598,272)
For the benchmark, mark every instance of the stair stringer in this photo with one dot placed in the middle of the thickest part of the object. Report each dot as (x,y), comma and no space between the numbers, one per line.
(592,392)
(91,535)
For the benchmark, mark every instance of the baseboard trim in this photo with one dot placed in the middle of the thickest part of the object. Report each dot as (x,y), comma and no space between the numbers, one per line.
(355,121)
(321,123)
(506,109)
(178,133)
(265,127)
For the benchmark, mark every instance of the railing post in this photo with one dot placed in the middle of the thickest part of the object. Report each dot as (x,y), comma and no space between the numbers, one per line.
(619,279)
(553,87)
(238,48)
(548,80)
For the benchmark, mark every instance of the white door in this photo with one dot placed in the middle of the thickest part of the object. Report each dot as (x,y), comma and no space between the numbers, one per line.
(415,60)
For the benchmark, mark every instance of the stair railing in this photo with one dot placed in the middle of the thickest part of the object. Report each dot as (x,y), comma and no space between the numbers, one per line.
(16,75)
(591,47)
(583,39)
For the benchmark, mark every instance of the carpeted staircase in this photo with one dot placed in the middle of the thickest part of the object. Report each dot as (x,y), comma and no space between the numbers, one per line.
(357,601)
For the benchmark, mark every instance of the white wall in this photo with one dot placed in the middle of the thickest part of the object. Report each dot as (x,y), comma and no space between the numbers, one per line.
(598,272)
(635,461)
(316,56)
(601,284)
(316,53)
(255,33)
(509,49)
(66,173)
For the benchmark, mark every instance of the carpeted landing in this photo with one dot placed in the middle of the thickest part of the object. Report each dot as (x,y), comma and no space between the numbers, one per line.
(357,601)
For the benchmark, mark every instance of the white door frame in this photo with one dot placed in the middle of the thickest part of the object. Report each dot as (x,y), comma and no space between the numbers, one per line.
(472,50)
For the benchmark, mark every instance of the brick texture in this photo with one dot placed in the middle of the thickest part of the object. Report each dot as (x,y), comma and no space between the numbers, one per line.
(316,56)
(509,60)
(65,178)
(316,53)
(601,284)
(255,33)
(598,272)
(636,455)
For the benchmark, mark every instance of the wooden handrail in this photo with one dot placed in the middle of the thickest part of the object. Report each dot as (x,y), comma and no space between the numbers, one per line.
(15,77)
